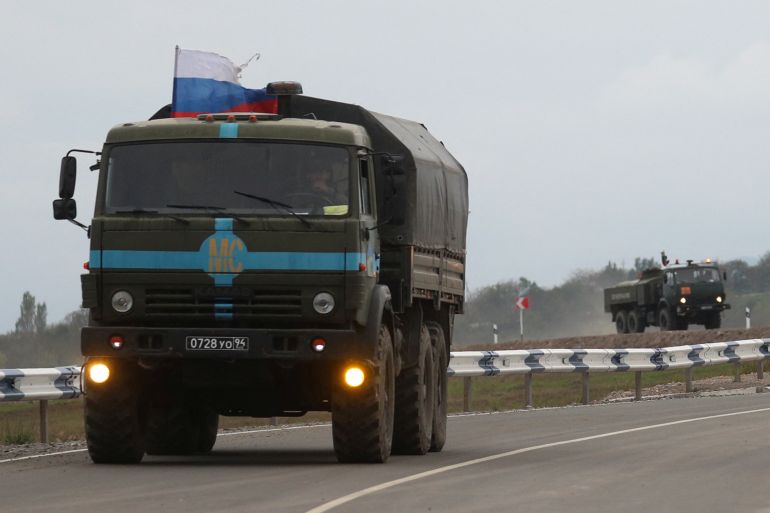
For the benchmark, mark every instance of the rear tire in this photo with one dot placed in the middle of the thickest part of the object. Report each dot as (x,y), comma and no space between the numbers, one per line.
(415,399)
(114,422)
(621,322)
(635,322)
(175,427)
(713,321)
(171,430)
(441,364)
(362,419)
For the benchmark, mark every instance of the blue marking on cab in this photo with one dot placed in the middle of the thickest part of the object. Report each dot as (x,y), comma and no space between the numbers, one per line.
(252,260)
(228,131)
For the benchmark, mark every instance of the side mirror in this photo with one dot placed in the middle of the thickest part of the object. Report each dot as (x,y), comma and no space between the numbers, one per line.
(65,209)
(665,278)
(67,177)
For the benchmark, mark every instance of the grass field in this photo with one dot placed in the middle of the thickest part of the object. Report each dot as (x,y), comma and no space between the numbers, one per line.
(19,420)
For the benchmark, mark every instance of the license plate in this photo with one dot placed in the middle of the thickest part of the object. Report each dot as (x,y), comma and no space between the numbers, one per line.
(217,343)
(706,307)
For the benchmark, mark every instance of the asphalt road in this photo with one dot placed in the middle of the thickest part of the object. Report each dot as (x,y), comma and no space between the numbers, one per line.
(678,455)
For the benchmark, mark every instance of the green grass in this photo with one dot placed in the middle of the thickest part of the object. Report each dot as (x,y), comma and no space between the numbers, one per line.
(19,421)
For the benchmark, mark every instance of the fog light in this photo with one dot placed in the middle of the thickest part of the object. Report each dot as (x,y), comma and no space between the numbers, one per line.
(116,341)
(122,301)
(98,373)
(683,300)
(354,377)
(318,344)
(323,303)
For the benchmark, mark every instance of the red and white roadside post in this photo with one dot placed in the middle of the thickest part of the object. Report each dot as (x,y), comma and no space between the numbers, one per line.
(522,303)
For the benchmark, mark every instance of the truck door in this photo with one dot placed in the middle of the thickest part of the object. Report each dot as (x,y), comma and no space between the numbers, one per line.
(370,241)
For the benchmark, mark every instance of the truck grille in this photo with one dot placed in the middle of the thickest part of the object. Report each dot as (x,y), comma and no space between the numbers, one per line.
(254,304)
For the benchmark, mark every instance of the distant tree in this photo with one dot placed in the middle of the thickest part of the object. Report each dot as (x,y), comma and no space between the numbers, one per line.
(41,317)
(26,321)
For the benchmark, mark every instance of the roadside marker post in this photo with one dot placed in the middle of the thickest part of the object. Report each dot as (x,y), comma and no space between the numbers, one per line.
(522,303)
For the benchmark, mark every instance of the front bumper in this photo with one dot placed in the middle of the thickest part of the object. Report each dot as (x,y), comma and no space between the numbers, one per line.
(688,310)
(263,344)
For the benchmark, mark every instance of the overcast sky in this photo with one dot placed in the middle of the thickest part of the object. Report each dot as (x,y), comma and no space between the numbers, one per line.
(590,131)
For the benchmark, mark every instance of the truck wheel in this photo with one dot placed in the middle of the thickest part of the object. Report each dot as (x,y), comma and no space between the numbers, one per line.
(621,321)
(114,424)
(171,430)
(440,363)
(415,399)
(664,320)
(635,322)
(208,425)
(713,322)
(362,420)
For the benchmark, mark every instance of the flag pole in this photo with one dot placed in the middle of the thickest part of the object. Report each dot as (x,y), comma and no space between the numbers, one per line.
(521,323)
(173,85)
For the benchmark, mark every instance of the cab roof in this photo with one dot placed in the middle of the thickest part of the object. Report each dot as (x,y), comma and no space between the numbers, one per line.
(243,126)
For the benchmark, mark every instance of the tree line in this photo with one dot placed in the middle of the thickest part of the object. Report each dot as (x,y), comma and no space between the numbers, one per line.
(36,343)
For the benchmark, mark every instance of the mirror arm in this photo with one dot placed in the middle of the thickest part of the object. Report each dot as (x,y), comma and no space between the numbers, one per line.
(81,225)
(74,150)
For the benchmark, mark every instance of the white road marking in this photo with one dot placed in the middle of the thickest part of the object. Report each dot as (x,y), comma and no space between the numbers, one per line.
(440,470)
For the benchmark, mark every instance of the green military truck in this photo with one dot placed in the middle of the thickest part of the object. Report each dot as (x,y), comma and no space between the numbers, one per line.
(261,265)
(671,298)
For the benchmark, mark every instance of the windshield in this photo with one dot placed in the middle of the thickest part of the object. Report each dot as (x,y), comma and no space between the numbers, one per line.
(174,177)
(697,275)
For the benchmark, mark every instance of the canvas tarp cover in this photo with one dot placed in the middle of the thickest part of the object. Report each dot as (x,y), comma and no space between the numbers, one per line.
(436,205)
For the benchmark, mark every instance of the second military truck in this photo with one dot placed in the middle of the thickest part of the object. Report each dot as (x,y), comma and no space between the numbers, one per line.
(264,265)
(671,298)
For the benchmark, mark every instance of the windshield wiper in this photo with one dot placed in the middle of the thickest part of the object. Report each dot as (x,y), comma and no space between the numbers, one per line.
(208,207)
(277,205)
(144,211)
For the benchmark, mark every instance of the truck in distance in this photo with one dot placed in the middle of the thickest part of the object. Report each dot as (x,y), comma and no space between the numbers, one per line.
(262,265)
(671,297)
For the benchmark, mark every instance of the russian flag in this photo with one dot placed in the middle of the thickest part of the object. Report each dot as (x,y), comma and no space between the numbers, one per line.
(206,82)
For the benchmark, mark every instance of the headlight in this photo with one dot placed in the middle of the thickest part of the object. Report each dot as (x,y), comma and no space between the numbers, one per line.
(323,303)
(98,373)
(683,300)
(719,299)
(122,301)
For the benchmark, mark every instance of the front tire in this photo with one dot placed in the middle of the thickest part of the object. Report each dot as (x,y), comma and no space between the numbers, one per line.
(362,419)
(114,422)
(415,398)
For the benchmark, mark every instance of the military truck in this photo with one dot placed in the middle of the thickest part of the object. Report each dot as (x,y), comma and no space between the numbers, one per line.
(671,297)
(250,264)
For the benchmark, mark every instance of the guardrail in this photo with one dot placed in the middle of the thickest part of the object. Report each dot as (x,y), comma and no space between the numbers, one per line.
(40,385)
(65,383)
(467,364)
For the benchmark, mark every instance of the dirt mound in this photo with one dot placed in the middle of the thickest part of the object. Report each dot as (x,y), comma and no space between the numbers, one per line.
(650,339)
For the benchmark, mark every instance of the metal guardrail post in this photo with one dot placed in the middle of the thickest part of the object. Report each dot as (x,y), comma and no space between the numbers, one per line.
(273,421)
(638,386)
(467,393)
(688,379)
(737,378)
(761,370)
(528,390)
(44,421)
(586,379)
